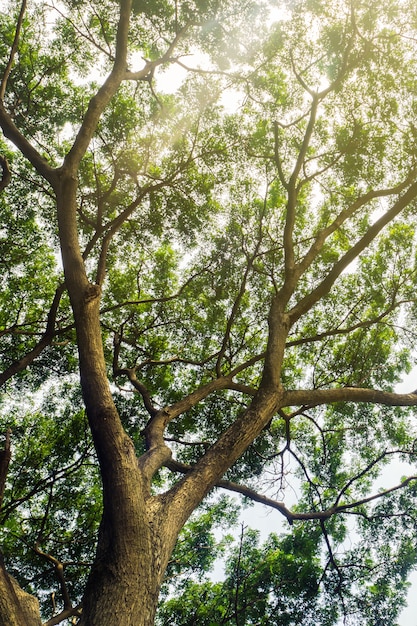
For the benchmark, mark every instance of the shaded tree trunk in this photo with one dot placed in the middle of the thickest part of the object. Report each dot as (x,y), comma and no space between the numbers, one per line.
(133,547)
(17,608)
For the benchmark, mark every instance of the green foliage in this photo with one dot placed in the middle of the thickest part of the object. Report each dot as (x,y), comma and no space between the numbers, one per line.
(53,498)
(275,583)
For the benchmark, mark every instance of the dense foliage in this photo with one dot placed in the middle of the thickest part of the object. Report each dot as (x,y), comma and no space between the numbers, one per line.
(246,201)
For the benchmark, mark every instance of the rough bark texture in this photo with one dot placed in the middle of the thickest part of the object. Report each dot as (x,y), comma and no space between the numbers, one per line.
(17,608)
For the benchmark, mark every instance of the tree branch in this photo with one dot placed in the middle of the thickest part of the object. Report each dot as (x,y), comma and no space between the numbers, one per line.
(306,303)
(45,340)
(6,176)
(103,96)
(315,397)
(15,44)
(65,614)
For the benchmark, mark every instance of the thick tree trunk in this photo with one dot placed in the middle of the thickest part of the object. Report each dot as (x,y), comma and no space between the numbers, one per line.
(17,608)
(124,583)
(131,557)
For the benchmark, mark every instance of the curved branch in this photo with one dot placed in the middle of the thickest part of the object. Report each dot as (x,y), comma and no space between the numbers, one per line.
(348,329)
(59,571)
(45,340)
(140,387)
(182,468)
(15,44)
(11,131)
(147,71)
(291,516)
(103,96)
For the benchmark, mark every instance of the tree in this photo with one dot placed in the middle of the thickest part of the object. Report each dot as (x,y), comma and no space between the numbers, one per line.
(237,294)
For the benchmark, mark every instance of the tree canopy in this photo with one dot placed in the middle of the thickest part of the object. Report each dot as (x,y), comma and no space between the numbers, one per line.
(208,278)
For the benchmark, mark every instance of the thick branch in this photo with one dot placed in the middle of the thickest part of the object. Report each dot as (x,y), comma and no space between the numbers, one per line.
(11,131)
(65,614)
(99,102)
(158,454)
(314,397)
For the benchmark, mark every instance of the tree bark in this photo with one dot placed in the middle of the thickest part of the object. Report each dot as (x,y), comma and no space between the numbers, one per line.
(17,608)
(133,550)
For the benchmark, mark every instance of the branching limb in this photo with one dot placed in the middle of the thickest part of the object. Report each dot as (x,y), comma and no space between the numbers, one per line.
(65,614)
(103,96)
(306,303)
(182,468)
(59,572)
(140,387)
(347,329)
(6,123)
(15,45)
(334,564)
(45,340)
(348,213)
(147,71)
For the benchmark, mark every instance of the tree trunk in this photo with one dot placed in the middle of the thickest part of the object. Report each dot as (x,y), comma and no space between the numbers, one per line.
(17,608)
(132,551)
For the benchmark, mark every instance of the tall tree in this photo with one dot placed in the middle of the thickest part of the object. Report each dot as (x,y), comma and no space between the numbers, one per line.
(237,293)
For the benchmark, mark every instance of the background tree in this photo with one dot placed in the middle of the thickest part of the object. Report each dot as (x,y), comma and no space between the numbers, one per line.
(235,292)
